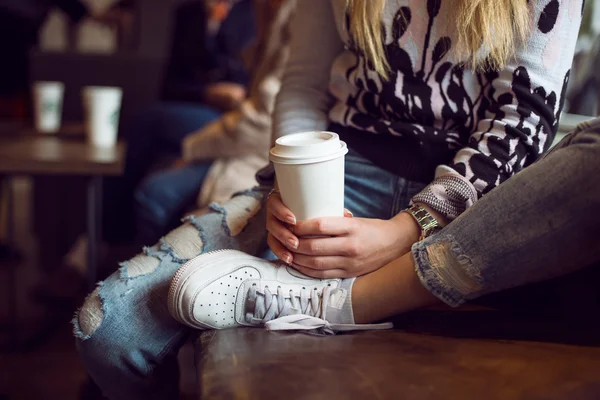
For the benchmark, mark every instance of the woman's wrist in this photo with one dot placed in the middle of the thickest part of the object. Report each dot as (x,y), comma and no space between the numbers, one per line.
(407,232)
(440,218)
(408,229)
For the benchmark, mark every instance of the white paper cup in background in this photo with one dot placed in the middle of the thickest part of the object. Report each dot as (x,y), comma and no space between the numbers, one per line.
(310,173)
(102,106)
(48,104)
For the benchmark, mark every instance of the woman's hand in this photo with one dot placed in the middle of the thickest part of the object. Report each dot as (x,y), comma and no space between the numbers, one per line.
(179,163)
(280,222)
(279,219)
(351,246)
(224,95)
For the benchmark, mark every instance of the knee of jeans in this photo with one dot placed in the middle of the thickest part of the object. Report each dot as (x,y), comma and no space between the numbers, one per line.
(90,316)
(587,140)
(237,212)
(591,137)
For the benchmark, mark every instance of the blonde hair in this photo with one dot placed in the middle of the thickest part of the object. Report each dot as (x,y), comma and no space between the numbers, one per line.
(487,31)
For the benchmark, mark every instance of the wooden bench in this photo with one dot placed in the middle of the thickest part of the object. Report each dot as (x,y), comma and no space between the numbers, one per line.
(461,355)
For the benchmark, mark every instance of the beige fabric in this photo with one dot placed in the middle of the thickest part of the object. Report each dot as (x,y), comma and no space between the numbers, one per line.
(185,241)
(240,140)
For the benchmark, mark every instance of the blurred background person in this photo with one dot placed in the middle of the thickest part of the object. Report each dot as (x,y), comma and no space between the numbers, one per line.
(235,146)
(207,74)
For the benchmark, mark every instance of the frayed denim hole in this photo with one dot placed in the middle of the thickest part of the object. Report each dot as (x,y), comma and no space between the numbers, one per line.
(90,316)
(454,269)
(185,242)
(140,265)
(237,212)
(170,253)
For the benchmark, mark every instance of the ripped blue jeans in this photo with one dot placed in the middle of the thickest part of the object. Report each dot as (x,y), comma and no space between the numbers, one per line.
(539,224)
(125,335)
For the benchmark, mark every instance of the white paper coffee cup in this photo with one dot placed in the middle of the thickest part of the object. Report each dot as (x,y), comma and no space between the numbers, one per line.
(310,173)
(102,107)
(48,104)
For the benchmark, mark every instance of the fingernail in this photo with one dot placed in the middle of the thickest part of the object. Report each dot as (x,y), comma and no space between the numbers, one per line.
(287,258)
(293,243)
(350,213)
(290,220)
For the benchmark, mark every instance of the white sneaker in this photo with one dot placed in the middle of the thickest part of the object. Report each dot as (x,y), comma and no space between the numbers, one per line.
(229,289)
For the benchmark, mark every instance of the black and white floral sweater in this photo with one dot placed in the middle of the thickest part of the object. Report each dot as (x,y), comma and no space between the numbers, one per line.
(433,120)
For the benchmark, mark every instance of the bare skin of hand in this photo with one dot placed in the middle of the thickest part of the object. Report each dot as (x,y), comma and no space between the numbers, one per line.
(225,95)
(348,247)
(179,163)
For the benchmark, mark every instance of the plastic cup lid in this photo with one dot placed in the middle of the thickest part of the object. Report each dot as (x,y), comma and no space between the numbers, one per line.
(307,147)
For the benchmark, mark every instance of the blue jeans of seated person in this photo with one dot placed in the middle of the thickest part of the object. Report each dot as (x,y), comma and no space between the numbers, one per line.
(155,133)
(541,223)
(130,348)
(163,197)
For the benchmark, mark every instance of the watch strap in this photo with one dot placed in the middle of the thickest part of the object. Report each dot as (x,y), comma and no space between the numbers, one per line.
(426,221)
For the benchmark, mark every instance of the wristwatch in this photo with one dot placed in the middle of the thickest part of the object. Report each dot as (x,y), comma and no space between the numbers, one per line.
(429,225)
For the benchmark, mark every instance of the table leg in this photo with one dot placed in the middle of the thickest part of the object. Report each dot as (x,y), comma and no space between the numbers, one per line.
(12,268)
(94,227)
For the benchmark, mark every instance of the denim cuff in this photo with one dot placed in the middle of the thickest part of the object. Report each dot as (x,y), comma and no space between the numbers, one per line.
(445,270)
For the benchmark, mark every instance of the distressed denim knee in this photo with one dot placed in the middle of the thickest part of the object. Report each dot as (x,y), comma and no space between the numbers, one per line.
(539,224)
(125,334)
(446,270)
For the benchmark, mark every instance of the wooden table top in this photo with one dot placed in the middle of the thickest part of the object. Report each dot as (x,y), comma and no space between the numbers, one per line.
(57,154)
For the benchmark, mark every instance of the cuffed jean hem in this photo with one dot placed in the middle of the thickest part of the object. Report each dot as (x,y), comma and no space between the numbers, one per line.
(445,270)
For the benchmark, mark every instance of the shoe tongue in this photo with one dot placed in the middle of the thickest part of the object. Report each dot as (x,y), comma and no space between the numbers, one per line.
(337,298)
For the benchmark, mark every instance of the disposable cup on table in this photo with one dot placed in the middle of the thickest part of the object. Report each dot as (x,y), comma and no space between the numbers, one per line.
(48,104)
(102,107)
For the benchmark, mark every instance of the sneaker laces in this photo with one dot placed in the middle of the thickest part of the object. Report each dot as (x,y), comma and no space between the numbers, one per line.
(263,306)
(298,312)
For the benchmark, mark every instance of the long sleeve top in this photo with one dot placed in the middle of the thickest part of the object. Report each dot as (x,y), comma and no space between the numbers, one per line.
(434,120)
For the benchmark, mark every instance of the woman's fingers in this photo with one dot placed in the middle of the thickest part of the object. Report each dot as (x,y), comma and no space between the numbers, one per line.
(279,250)
(281,233)
(280,211)
(328,246)
(326,226)
(328,274)
(321,263)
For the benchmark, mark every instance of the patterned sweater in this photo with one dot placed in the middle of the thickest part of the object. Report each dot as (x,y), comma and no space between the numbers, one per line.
(433,120)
